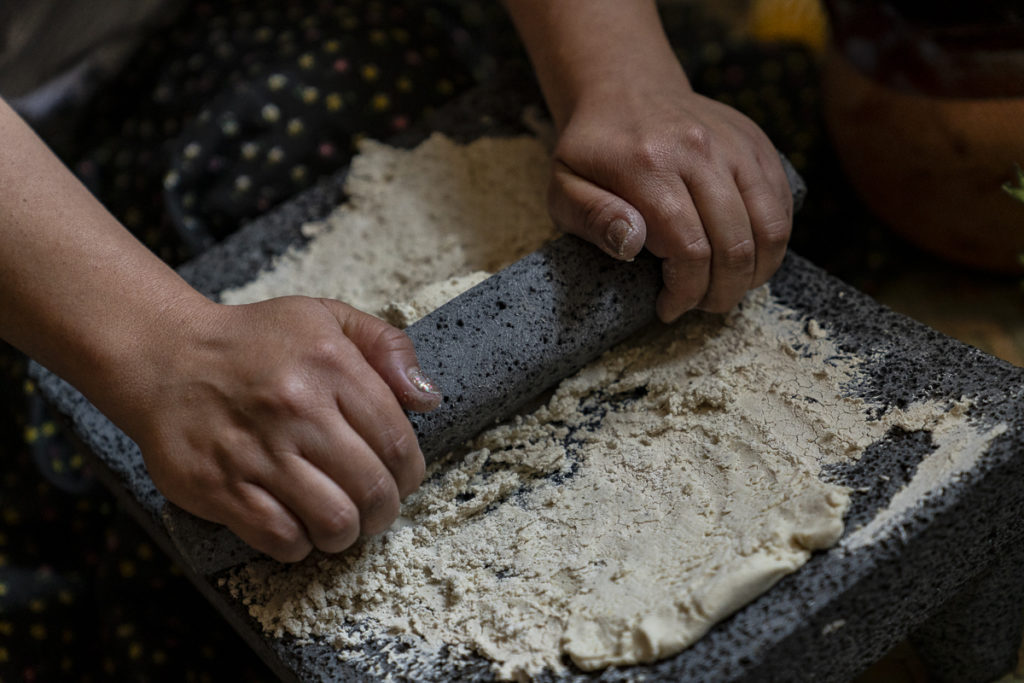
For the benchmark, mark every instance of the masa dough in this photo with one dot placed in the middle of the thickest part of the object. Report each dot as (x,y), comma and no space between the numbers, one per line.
(660,489)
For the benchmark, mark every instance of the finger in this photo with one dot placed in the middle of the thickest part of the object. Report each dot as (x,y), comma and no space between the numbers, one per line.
(581,208)
(676,235)
(733,250)
(345,459)
(331,519)
(769,201)
(391,353)
(259,519)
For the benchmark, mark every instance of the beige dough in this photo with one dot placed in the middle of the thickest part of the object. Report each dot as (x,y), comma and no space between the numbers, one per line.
(657,491)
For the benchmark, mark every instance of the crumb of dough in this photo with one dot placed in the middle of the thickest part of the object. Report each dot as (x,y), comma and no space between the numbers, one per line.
(658,490)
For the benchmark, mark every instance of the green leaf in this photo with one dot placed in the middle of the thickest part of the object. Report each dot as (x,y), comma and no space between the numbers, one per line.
(1016,191)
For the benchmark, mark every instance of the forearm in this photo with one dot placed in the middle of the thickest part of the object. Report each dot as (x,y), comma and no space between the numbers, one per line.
(581,46)
(79,293)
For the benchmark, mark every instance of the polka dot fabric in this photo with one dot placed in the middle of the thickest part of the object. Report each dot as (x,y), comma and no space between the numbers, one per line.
(243,104)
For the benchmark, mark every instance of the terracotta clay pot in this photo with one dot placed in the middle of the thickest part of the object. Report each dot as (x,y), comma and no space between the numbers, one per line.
(932,165)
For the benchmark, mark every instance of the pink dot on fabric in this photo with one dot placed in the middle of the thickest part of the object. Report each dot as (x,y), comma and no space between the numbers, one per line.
(341,65)
(326,149)
(412,57)
(400,122)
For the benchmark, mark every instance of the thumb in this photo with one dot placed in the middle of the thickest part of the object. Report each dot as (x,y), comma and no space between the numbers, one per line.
(391,353)
(586,210)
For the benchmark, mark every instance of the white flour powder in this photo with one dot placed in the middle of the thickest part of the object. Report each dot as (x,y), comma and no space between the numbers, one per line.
(658,490)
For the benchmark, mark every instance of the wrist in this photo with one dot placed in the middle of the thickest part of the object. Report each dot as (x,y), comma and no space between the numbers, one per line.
(148,335)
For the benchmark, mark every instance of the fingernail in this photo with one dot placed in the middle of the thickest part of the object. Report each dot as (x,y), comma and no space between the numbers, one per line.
(422,382)
(618,235)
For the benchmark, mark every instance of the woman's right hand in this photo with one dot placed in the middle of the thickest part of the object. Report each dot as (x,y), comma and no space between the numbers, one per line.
(282,420)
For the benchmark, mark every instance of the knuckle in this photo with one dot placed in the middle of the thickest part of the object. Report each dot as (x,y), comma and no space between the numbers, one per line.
(378,504)
(695,251)
(739,255)
(291,393)
(775,233)
(393,340)
(696,140)
(339,527)
(283,540)
(398,444)
(651,154)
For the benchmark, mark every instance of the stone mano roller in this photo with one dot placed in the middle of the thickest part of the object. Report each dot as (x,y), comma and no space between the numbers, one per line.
(521,331)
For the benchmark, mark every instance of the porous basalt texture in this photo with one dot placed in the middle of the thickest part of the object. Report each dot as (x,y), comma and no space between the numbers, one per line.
(829,620)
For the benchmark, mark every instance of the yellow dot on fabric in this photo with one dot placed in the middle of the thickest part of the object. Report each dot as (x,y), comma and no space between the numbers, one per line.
(370,72)
(307,60)
(76,461)
(229,127)
(65,597)
(243,183)
(250,150)
(67,635)
(192,150)
(400,35)
(135,650)
(445,87)
(403,84)
(36,605)
(264,33)
(3,589)
(381,101)
(188,200)
(275,154)
(159,657)
(310,94)
(270,113)
(57,466)
(108,666)
(3,538)
(29,387)
(3,560)
(66,664)
(333,101)
(5,656)
(144,551)
(378,37)
(332,46)
(350,23)
(299,173)
(294,127)
(6,628)
(127,568)
(171,180)
(11,517)
(37,631)
(276,81)
(125,630)
(31,434)
(49,429)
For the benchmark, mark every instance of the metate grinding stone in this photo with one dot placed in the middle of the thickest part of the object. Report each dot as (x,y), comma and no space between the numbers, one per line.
(948,574)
